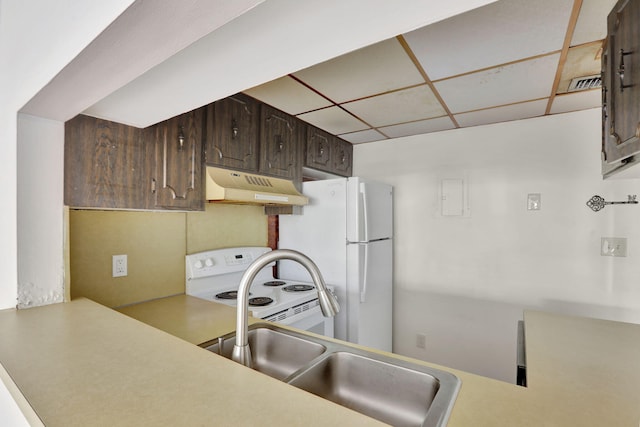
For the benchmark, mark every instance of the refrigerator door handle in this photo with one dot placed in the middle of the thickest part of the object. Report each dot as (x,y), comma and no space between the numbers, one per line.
(363,285)
(365,214)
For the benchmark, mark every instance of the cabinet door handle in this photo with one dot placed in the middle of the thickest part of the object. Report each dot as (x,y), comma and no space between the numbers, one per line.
(279,142)
(181,138)
(621,70)
(234,129)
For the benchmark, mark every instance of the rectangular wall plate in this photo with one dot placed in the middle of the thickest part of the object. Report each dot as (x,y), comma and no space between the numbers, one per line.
(119,265)
(613,246)
(534,201)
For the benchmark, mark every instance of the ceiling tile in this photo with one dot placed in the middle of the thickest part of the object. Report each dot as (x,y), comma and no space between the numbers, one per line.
(576,101)
(368,135)
(498,33)
(592,21)
(415,128)
(288,95)
(524,110)
(581,61)
(397,107)
(375,69)
(509,84)
(333,120)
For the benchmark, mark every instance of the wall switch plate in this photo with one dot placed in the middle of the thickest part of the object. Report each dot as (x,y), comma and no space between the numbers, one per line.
(534,201)
(119,265)
(421,341)
(613,246)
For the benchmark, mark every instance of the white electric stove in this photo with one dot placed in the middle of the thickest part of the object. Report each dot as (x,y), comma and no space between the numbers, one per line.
(215,276)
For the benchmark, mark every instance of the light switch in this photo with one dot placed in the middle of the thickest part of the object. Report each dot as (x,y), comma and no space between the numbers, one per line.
(534,201)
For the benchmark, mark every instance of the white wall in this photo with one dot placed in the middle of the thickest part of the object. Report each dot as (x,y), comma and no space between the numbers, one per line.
(40,211)
(37,39)
(463,282)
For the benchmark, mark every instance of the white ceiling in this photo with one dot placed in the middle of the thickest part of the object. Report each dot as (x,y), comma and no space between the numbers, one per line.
(508,60)
(272,39)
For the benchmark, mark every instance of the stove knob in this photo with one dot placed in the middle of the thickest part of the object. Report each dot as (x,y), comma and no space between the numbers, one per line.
(198,265)
(208,262)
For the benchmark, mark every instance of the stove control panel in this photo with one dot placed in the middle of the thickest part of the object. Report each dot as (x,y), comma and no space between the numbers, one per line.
(221,261)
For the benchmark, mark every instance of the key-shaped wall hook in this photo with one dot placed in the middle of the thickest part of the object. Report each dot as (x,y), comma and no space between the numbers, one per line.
(596,203)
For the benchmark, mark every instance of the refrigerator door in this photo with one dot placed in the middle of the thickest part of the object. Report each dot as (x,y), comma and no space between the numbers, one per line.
(370,294)
(369,210)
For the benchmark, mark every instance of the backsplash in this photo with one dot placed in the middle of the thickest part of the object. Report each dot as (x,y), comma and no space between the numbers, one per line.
(155,244)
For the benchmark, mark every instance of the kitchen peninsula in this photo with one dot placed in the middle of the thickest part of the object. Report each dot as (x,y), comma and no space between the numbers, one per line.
(80,363)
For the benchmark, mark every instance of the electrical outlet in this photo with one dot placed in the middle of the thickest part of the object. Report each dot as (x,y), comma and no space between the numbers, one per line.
(119,264)
(421,341)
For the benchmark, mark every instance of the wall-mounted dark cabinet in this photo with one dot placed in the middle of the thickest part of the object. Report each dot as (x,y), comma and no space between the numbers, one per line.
(281,144)
(177,181)
(232,133)
(114,166)
(106,165)
(621,83)
(328,153)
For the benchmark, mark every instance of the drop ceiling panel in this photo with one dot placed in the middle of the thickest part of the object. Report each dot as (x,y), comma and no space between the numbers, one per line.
(524,110)
(498,33)
(397,107)
(581,61)
(289,96)
(415,128)
(592,21)
(334,120)
(368,135)
(375,69)
(509,84)
(576,101)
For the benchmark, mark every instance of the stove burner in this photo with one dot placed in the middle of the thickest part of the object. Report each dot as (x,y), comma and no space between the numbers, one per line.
(260,301)
(274,283)
(297,288)
(228,295)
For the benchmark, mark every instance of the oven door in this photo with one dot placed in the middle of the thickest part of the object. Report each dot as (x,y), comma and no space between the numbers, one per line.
(310,320)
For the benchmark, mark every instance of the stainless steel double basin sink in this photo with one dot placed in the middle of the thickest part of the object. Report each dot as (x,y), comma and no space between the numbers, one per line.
(388,389)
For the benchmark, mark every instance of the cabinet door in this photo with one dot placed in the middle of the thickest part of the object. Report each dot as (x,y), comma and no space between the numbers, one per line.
(328,153)
(105,165)
(232,133)
(280,142)
(178,153)
(622,82)
(319,144)
(342,155)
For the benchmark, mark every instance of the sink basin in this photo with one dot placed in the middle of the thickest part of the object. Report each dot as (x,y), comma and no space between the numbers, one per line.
(274,353)
(389,392)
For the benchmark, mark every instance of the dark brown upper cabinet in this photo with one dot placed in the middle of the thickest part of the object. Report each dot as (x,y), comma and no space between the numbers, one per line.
(232,133)
(177,181)
(328,153)
(106,165)
(281,142)
(621,83)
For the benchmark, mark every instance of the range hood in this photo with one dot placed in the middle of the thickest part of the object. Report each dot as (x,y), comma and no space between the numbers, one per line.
(241,187)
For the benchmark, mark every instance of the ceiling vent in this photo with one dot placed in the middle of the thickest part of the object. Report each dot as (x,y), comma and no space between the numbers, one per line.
(585,83)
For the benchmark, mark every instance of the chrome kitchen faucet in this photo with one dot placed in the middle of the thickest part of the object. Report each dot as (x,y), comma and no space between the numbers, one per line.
(328,303)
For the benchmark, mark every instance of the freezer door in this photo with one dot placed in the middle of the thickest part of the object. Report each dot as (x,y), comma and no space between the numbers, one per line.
(370,294)
(369,211)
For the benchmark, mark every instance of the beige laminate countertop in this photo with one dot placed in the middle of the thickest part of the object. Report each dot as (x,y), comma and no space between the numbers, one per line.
(80,363)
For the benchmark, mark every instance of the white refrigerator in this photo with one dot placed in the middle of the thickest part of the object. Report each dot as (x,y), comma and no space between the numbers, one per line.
(347,230)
